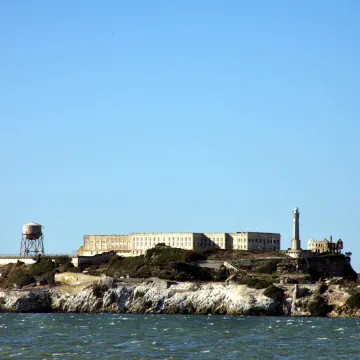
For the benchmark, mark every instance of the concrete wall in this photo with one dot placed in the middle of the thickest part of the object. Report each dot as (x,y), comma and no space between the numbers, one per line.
(5,261)
(216,240)
(140,242)
(122,253)
(263,241)
(239,240)
(26,260)
(210,240)
(256,241)
(103,243)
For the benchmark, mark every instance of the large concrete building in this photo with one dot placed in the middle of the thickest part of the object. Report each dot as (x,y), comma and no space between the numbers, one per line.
(138,243)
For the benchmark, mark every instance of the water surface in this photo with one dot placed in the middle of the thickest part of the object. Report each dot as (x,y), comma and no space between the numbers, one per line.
(103,336)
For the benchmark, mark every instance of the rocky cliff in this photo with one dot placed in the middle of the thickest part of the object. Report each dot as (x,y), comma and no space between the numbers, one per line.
(169,297)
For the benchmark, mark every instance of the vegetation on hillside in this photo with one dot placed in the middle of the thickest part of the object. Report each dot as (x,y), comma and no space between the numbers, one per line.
(163,262)
(261,268)
(318,306)
(42,272)
(257,271)
(274,292)
(353,302)
(254,282)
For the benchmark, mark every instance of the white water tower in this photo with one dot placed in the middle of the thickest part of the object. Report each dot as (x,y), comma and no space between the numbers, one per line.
(32,240)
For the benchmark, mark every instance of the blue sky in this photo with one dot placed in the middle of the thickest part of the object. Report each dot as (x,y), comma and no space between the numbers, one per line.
(121,117)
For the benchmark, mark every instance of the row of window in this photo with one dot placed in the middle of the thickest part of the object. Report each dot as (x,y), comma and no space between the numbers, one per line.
(177,238)
(319,245)
(215,239)
(152,243)
(159,239)
(105,246)
(204,244)
(267,241)
(149,246)
(105,241)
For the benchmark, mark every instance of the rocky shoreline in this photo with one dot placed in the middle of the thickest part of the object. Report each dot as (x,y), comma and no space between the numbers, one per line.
(155,296)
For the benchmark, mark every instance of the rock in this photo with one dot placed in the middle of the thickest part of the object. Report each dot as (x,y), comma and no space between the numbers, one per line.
(150,296)
(26,301)
(170,297)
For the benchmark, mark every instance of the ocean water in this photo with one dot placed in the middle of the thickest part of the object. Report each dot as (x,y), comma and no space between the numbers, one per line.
(104,336)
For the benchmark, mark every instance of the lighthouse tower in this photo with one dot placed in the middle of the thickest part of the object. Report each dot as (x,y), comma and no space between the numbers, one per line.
(295,241)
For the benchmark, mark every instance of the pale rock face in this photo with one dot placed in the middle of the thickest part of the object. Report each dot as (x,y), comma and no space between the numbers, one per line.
(29,301)
(169,297)
(149,296)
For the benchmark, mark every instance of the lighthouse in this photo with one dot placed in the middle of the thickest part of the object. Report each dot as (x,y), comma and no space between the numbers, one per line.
(295,241)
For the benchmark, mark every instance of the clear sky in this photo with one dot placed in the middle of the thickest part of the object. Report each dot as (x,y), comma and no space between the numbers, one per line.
(146,116)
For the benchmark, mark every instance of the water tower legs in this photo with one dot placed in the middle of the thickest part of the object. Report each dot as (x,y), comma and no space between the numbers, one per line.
(32,247)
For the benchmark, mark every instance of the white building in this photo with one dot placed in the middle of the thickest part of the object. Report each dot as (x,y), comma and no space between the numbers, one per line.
(138,243)
(256,241)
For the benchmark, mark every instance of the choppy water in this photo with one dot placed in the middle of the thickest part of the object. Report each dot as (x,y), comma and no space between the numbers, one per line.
(100,336)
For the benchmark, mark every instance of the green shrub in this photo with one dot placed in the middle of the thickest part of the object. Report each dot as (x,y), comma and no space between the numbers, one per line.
(113,260)
(68,266)
(274,292)
(98,289)
(267,267)
(63,260)
(304,279)
(47,279)
(209,251)
(256,283)
(143,272)
(75,270)
(180,266)
(180,276)
(160,245)
(161,256)
(166,275)
(241,279)
(138,294)
(124,266)
(92,267)
(353,302)
(22,278)
(322,288)
(221,274)
(42,266)
(84,266)
(319,307)
(193,256)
